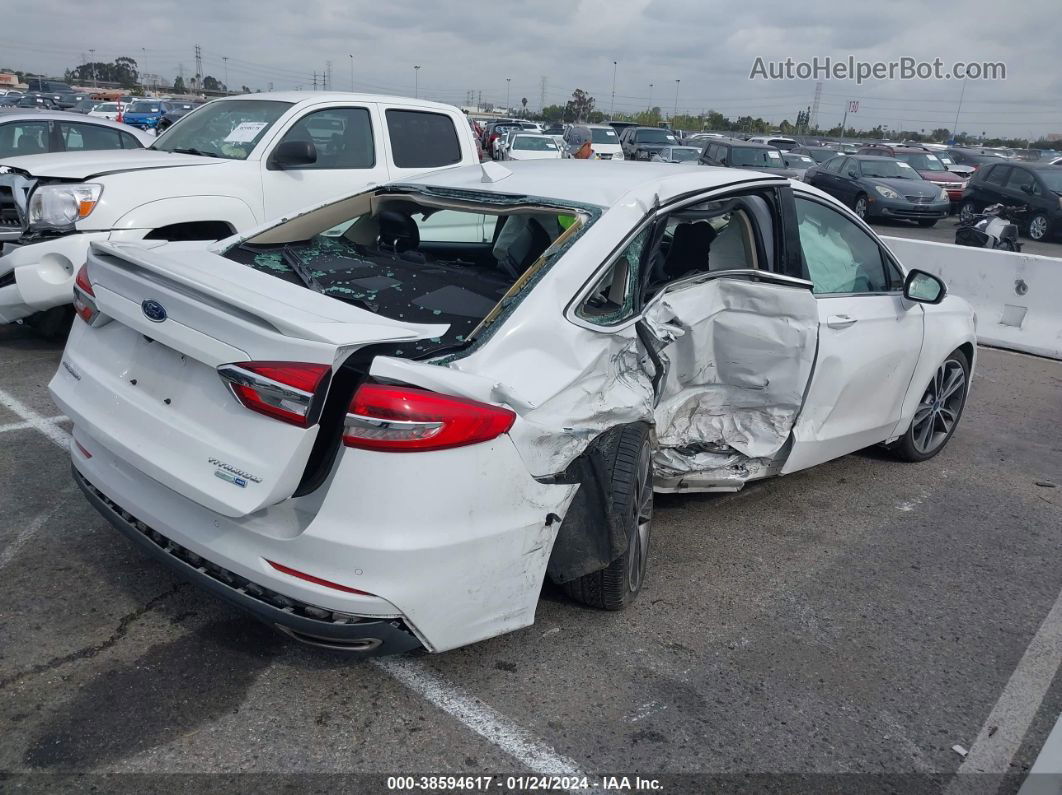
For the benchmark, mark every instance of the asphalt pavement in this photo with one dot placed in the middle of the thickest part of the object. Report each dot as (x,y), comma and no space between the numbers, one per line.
(847,626)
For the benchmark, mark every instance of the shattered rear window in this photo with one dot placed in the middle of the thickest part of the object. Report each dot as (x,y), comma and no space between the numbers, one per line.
(416,263)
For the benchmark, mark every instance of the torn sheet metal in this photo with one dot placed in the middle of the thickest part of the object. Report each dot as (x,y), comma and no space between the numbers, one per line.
(739,356)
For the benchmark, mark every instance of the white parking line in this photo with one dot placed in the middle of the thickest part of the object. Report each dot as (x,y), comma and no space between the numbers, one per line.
(1045,776)
(468,710)
(38,422)
(1001,736)
(494,727)
(22,426)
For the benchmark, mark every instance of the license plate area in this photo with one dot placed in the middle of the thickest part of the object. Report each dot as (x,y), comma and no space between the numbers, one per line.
(160,372)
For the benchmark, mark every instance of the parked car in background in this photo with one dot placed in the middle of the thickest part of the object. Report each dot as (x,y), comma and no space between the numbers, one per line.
(1038,187)
(797,162)
(640,143)
(928,166)
(84,105)
(881,187)
(38,101)
(777,141)
(178,110)
(820,154)
(107,110)
(304,407)
(970,161)
(233,164)
(60,131)
(145,114)
(677,154)
(532,146)
(9,101)
(733,153)
(620,126)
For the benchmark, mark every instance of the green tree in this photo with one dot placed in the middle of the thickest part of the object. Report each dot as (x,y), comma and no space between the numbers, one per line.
(579,107)
(178,85)
(210,83)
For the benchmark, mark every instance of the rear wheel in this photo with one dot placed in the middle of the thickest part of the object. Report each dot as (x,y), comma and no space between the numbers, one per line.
(860,205)
(938,411)
(966,212)
(1038,225)
(630,504)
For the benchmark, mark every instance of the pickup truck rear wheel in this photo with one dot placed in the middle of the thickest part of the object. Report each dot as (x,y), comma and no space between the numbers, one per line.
(630,505)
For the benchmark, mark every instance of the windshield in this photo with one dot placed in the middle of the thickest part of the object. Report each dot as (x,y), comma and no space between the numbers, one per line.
(946,160)
(822,155)
(603,135)
(533,143)
(888,169)
(654,137)
(922,162)
(223,128)
(684,153)
(800,161)
(144,107)
(107,107)
(747,156)
(1051,178)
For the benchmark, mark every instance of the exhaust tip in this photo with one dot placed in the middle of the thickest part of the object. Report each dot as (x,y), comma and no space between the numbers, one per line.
(352,646)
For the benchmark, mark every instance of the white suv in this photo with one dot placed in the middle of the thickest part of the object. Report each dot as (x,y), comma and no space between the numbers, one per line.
(226,167)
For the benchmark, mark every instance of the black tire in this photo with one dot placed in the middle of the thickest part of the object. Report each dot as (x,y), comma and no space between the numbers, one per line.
(865,214)
(52,324)
(920,444)
(967,211)
(1038,227)
(927,223)
(631,504)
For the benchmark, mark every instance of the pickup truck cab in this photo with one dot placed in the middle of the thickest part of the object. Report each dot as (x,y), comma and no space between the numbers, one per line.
(229,166)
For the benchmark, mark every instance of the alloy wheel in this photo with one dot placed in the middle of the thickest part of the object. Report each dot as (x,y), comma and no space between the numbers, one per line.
(1038,228)
(638,548)
(966,212)
(861,207)
(939,409)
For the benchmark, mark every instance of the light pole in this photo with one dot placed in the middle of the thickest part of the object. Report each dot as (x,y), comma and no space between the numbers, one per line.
(673,115)
(612,107)
(351,72)
(93,54)
(508,83)
(416,82)
(955,128)
(225,58)
(649,109)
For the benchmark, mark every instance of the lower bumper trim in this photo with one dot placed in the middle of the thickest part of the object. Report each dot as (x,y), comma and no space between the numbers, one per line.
(305,623)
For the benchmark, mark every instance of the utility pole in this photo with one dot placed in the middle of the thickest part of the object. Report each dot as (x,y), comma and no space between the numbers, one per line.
(92,54)
(814,120)
(479,102)
(955,128)
(612,107)
(351,56)
(508,81)
(328,71)
(673,115)
(542,91)
(416,82)
(649,109)
(314,79)
(225,58)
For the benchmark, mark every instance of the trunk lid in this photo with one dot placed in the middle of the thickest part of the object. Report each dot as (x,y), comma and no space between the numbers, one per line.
(149,389)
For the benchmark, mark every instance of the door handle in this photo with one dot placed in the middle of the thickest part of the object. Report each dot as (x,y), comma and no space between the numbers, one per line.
(840,321)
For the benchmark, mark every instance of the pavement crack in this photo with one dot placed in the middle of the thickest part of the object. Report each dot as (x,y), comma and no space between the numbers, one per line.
(124,623)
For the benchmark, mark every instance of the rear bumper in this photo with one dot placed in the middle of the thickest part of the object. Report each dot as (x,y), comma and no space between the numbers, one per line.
(307,623)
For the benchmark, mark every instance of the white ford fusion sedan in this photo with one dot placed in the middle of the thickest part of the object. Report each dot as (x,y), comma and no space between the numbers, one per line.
(379,424)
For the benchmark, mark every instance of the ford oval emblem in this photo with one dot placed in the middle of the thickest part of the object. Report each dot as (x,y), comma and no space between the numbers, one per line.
(154,311)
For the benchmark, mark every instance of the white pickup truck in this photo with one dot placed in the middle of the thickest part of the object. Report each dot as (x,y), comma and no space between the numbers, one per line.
(227,167)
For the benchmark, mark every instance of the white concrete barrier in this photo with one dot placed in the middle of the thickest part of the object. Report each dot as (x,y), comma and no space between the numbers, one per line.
(1017,297)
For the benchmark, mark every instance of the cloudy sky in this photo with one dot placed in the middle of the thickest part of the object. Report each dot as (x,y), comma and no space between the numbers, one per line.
(474,46)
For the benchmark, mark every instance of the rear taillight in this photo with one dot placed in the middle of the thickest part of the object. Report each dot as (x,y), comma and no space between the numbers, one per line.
(405,419)
(84,297)
(282,390)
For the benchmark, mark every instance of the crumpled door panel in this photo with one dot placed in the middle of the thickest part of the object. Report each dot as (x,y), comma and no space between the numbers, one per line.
(738,357)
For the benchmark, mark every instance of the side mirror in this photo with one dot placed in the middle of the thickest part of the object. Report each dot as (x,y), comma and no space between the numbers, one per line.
(924,288)
(292,154)
(853,173)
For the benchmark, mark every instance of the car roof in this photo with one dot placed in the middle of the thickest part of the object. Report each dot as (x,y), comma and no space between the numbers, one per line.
(871,157)
(597,182)
(62,115)
(316,97)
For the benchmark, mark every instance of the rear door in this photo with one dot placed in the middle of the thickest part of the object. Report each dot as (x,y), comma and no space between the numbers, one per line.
(350,158)
(734,337)
(990,189)
(869,337)
(148,387)
(417,141)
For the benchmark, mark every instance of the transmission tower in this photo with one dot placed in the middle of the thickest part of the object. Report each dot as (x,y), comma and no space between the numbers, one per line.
(815,106)
(542,83)
(198,67)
